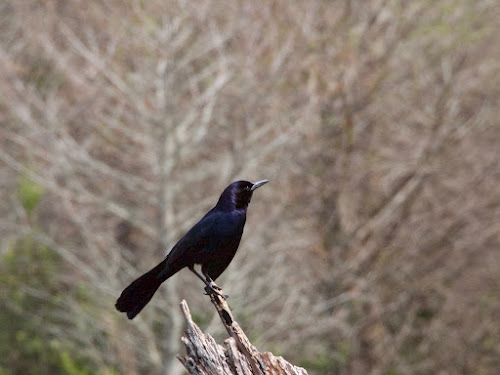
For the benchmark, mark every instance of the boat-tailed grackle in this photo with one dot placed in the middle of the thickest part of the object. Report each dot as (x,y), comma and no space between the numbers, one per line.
(212,243)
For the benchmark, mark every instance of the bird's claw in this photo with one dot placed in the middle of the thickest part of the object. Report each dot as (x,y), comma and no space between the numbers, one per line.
(214,289)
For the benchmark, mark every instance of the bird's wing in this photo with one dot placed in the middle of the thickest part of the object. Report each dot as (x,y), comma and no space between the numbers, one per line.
(201,238)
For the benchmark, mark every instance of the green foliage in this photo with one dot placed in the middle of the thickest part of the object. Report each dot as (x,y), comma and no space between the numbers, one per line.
(30,290)
(202,320)
(29,193)
(343,352)
(321,364)
(72,366)
(43,76)
(488,343)
(328,361)
(393,371)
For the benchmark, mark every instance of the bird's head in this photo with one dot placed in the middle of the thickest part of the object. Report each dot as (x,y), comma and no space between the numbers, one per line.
(238,194)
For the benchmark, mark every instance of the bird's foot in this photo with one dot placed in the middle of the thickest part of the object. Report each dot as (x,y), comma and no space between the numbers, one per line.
(214,289)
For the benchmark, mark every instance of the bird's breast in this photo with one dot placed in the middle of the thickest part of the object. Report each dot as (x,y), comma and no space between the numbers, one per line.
(229,229)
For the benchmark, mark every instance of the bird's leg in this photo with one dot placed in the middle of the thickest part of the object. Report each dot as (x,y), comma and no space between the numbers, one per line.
(210,286)
(191,268)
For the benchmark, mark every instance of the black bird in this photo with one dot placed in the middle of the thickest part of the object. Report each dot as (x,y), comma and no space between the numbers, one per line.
(212,243)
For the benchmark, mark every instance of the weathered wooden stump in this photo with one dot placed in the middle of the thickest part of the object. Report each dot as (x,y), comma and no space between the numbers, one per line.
(239,357)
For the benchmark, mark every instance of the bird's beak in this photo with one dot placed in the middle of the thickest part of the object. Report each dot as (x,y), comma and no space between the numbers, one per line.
(258,184)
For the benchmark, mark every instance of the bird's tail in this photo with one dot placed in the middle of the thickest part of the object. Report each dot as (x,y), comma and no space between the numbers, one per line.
(139,293)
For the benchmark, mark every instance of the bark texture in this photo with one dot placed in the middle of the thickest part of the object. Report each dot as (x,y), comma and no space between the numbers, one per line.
(239,356)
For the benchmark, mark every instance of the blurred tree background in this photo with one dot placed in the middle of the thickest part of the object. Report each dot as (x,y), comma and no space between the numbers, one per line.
(375,249)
